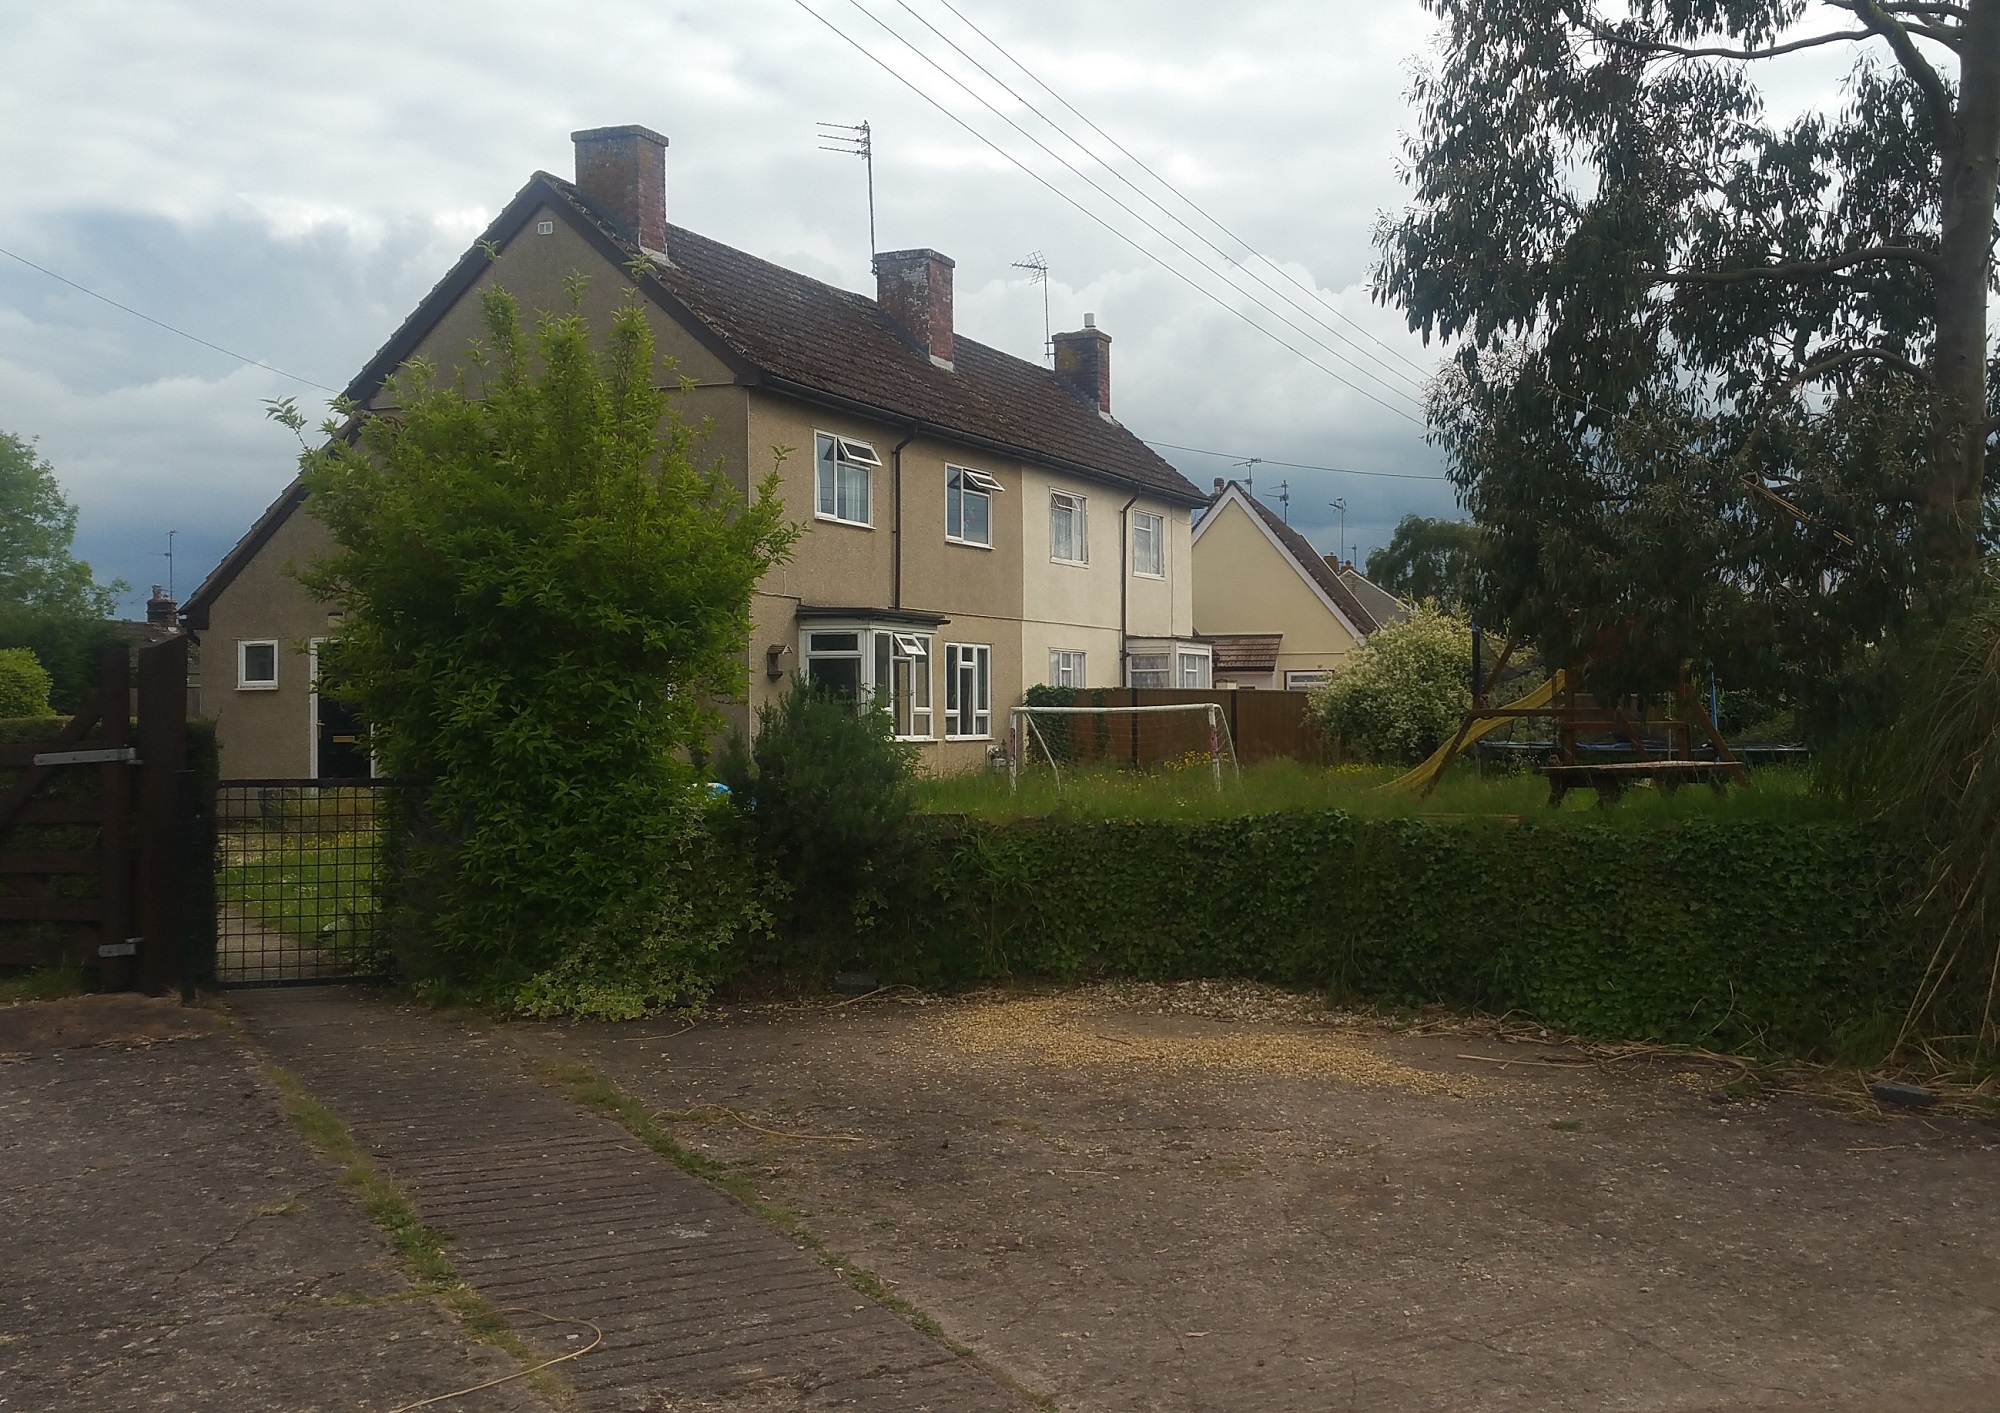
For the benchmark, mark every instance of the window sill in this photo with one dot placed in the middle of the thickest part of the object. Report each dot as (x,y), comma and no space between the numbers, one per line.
(836,520)
(1070,563)
(1142,574)
(918,740)
(967,544)
(256,686)
(987,737)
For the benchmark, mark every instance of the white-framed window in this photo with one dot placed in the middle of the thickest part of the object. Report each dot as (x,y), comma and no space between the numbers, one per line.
(902,683)
(843,479)
(968,691)
(1194,671)
(888,668)
(256,664)
(1150,669)
(968,506)
(1149,545)
(1065,668)
(1069,534)
(1303,681)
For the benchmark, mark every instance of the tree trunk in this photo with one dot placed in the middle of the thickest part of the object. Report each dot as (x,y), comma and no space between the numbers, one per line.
(1969,167)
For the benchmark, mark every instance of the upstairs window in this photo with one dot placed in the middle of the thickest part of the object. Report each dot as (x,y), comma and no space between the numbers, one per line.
(1069,538)
(844,471)
(1149,545)
(968,506)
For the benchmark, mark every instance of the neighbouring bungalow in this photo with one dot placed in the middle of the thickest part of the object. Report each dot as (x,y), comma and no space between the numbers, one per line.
(1274,610)
(977,523)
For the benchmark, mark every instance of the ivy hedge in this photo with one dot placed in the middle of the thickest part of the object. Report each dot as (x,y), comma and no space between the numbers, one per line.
(1726,934)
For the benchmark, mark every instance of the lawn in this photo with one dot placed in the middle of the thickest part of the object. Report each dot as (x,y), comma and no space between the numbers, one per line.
(1777,793)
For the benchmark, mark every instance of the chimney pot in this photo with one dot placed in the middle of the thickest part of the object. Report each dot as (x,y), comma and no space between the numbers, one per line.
(1083,361)
(913,287)
(1218,485)
(623,173)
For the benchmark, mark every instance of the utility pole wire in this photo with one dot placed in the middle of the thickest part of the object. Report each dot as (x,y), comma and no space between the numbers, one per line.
(1016,162)
(1068,166)
(159,324)
(1178,194)
(1295,465)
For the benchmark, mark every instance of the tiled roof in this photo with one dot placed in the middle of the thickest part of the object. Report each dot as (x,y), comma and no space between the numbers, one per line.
(1245,652)
(799,330)
(1314,565)
(1383,605)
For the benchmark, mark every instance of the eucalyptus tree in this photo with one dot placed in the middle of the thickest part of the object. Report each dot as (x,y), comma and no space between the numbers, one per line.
(1722,380)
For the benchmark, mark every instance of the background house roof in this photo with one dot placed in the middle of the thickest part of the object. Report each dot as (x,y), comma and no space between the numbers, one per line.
(1309,560)
(1385,606)
(1245,652)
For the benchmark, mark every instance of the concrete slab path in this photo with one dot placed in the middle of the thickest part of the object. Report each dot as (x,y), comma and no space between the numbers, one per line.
(552,1209)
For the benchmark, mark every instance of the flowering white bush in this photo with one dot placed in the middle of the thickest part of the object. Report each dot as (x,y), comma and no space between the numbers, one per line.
(1404,692)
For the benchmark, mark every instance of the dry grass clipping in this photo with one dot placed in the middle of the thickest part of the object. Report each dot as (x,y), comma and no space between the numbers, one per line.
(1094,1030)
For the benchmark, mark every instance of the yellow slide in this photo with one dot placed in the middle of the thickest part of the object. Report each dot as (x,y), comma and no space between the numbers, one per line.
(1442,756)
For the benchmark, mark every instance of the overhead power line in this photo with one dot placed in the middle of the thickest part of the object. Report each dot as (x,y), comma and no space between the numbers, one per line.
(1087,180)
(1238,459)
(1016,162)
(162,324)
(1229,259)
(1177,193)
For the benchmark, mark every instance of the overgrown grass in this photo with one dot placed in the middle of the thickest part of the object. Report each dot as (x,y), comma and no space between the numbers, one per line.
(1274,787)
(43,984)
(420,1248)
(320,889)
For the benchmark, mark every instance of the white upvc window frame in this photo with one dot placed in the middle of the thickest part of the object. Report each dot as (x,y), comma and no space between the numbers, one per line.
(878,650)
(836,459)
(963,484)
(1069,502)
(1067,667)
(1199,666)
(244,682)
(1305,679)
(1157,664)
(968,664)
(1155,526)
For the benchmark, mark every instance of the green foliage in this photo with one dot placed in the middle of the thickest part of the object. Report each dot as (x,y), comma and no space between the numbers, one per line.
(49,601)
(24,684)
(38,569)
(1704,932)
(543,591)
(1431,559)
(823,796)
(1720,391)
(1936,770)
(1404,692)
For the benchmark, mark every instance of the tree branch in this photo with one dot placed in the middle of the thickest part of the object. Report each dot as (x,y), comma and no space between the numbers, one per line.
(1660,46)
(1936,96)
(1803,269)
(1821,367)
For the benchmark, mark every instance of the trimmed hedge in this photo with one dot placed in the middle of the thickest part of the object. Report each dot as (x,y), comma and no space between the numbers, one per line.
(1725,934)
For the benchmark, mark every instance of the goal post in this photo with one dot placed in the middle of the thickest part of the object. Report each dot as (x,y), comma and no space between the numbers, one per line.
(1137,735)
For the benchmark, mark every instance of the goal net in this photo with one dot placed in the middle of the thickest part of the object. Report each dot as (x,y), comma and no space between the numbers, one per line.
(1183,736)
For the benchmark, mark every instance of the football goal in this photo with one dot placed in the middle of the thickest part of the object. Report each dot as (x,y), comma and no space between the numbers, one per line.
(1180,736)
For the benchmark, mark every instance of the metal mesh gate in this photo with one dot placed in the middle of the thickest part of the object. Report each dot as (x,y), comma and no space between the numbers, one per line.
(299,866)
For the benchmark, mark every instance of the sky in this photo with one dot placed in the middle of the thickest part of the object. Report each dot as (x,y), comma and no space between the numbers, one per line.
(286,182)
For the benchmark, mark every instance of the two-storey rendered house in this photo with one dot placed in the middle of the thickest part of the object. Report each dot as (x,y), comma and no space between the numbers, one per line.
(977,523)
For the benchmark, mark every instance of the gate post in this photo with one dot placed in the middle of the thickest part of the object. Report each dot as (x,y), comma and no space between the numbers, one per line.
(115,937)
(162,754)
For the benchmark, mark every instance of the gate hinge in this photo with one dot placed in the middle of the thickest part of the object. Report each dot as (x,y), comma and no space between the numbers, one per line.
(128,948)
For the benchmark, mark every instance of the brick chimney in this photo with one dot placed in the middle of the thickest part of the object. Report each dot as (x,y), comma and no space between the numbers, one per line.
(914,289)
(1083,360)
(161,611)
(623,173)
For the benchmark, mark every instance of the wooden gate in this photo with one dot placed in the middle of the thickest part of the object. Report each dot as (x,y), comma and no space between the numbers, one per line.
(92,829)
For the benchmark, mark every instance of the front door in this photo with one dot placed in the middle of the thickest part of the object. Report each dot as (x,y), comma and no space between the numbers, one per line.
(341,756)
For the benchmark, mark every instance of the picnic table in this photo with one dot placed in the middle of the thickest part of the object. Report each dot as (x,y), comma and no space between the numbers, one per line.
(1610,778)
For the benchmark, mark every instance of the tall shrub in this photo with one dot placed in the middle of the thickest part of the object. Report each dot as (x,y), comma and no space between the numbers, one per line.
(1937,769)
(24,684)
(1404,691)
(542,591)
(824,797)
